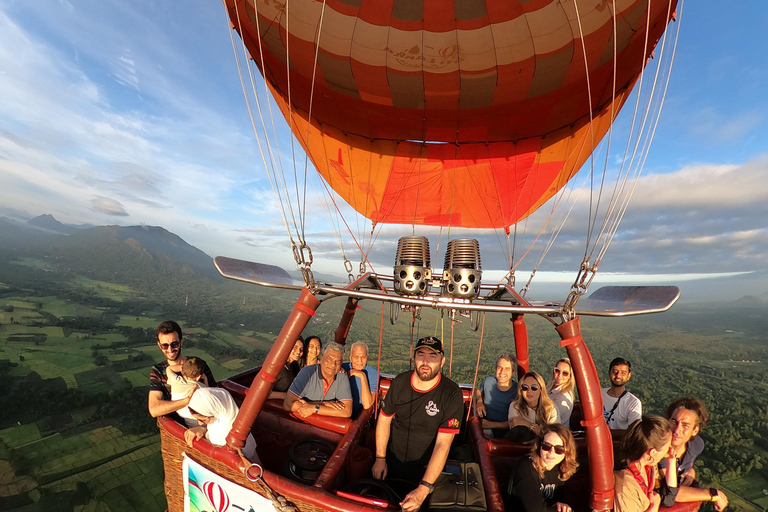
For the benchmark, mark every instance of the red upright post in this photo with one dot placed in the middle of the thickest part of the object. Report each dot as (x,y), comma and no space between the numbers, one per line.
(599,441)
(342,331)
(521,344)
(303,310)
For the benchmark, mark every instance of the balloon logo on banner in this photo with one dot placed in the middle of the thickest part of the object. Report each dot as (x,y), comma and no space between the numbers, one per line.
(217,496)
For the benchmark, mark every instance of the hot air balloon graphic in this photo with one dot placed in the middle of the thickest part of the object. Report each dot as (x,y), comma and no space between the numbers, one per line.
(217,496)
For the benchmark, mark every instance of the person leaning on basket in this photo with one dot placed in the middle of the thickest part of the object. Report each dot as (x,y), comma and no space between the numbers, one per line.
(322,388)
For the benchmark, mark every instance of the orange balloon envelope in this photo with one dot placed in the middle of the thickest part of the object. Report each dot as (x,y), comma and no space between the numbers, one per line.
(464,112)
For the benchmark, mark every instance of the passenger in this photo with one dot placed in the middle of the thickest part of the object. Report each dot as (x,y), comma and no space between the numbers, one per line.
(183,378)
(170,341)
(322,388)
(494,395)
(620,407)
(289,371)
(646,443)
(687,416)
(363,378)
(537,482)
(419,418)
(219,411)
(312,348)
(531,409)
(560,390)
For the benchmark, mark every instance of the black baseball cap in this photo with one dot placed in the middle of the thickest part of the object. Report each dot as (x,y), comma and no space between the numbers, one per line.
(431,343)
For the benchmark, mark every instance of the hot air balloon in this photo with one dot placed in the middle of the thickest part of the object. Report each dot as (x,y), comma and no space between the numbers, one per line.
(466,115)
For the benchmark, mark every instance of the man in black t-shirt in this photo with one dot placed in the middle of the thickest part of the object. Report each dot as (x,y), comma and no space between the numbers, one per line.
(169,340)
(420,415)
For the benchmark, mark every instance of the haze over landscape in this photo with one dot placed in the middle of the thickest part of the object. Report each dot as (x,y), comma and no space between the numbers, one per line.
(132,114)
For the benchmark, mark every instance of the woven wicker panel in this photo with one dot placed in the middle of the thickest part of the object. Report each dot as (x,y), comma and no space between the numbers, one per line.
(172,450)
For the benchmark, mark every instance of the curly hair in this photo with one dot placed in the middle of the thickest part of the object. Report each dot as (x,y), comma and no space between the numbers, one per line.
(569,464)
(545,406)
(692,404)
(643,434)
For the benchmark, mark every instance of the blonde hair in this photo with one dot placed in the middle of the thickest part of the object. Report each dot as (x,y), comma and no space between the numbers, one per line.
(569,386)
(568,466)
(545,406)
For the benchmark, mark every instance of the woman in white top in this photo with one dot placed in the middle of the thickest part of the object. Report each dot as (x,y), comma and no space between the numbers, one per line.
(561,388)
(532,407)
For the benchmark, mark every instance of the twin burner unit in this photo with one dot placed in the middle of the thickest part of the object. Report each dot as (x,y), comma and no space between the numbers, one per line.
(462,270)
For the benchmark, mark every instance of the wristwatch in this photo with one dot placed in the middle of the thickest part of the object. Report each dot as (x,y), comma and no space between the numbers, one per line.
(317,408)
(429,486)
(713,494)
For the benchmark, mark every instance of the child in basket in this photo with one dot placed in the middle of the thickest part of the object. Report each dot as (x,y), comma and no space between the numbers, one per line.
(183,378)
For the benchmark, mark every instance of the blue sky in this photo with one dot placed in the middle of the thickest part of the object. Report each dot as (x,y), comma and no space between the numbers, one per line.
(117,112)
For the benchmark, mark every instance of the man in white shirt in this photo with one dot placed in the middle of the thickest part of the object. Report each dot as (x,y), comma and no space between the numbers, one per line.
(620,407)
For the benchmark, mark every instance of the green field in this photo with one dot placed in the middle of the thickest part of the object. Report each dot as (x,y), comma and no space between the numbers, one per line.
(94,444)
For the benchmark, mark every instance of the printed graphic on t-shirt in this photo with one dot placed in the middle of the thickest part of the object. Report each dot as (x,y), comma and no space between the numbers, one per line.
(431,408)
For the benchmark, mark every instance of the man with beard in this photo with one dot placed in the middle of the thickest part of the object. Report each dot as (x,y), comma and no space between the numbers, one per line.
(420,415)
(688,416)
(170,341)
(620,407)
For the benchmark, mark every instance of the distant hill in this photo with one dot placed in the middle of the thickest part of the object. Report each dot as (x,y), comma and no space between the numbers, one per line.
(121,253)
(49,223)
(750,300)
(130,249)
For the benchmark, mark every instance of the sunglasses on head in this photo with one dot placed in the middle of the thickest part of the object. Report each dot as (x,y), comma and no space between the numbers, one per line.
(173,344)
(564,372)
(547,447)
(526,387)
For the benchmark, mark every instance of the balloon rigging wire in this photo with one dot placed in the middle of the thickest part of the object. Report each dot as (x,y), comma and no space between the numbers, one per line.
(652,131)
(591,131)
(311,102)
(267,167)
(277,163)
(618,195)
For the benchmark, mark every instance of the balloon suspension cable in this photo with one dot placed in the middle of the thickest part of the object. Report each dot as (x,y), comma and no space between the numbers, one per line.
(650,133)
(623,175)
(378,360)
(581,284)
(450,362)
(410,350)
(477,365)
(269,163)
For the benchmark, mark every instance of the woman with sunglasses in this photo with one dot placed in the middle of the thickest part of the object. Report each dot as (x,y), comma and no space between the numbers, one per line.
(312,348)
(531,409)
(537,482)
(647,441)
(560,390)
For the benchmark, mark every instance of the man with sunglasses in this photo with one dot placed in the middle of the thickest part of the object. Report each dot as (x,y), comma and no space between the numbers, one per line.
(420,415)
(620,407)
(170,341)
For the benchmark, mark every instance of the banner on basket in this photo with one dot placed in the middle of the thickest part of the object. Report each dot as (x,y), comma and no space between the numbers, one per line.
(205,491)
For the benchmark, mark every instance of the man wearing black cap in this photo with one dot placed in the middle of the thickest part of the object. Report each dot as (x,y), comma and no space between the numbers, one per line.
(420,415)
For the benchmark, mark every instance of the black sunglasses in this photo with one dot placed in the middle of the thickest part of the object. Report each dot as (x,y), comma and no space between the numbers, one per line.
(547,447)
(533,387)
(173,344)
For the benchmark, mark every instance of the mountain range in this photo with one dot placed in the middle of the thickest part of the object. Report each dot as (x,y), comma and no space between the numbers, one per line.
(128,253)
